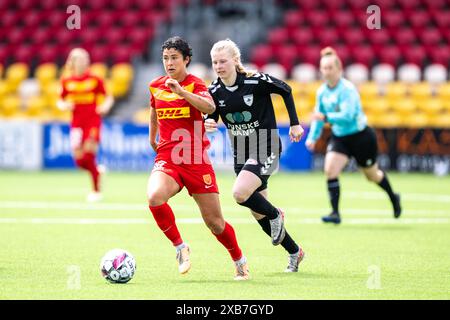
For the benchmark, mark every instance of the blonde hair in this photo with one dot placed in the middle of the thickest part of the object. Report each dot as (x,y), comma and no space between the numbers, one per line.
(74,55)
(329,51)
(231,47)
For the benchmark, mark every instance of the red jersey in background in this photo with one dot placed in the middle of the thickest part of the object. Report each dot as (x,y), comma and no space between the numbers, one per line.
(84,92)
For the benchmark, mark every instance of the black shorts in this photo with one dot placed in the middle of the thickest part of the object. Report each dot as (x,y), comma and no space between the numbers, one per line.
(361,145)
(263,168)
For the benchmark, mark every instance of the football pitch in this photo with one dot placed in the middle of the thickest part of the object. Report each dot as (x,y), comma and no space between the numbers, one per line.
(52,241)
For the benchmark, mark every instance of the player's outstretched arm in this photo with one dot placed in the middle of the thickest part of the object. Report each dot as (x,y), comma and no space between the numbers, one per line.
(153,128)
(203,104)
(106,105)
(64,105)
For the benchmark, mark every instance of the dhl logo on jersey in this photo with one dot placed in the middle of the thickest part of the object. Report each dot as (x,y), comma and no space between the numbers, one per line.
(81,98)
(81,86)
(173,113)
(168,96)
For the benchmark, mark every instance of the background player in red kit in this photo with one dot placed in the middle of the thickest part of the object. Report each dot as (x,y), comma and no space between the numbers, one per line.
(80,93)
(177,102)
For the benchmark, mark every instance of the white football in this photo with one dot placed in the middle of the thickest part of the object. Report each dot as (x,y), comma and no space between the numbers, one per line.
(118,266)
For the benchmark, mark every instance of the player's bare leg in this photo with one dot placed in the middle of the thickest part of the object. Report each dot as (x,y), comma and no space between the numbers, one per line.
(209,206)
(335,162)
(90,149)
(160,188)
(84,156)
(379,177)
(246,183)
(244,192)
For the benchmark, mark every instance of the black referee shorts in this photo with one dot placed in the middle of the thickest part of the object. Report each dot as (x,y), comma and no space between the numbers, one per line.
(263,168)
(361,145)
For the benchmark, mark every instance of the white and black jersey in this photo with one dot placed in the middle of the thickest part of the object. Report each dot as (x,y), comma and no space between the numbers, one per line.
(247,111)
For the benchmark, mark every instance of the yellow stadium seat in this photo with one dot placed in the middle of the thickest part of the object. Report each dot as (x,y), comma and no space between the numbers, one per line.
(309,89)
(417,120)
(122,72)
(376,105)
(444,91)
(117,89)
(10,106)
(15,74)
(446,105)
(433,105)
(36,106)
(52,88)
(375,119)
(3,88)
(396,90)
(46,73)
(389,119)
(420,91)
(281,112)
(368,90)
(303,106)
(404,106)
(296,87)
(120,81)
(99,69)
(142,116)
(278,103)
(442,121)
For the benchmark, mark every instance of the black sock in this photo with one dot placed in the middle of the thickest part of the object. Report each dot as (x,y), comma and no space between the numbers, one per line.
(333,193)
(288,243)
(259,204)
(386,186)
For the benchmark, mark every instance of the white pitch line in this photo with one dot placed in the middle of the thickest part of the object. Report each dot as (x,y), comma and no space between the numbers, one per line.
(413,197)
(72,205)
(102,221)
(133,207)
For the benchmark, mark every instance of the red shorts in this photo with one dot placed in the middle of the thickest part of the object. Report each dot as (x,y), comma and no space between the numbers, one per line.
(197,178)
(80,133)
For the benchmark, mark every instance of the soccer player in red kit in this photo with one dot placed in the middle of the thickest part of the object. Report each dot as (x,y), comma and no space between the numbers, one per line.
(80,94)
(177,102)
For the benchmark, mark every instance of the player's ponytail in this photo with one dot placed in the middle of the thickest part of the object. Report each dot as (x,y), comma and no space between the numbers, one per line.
(329,51)
(235,53)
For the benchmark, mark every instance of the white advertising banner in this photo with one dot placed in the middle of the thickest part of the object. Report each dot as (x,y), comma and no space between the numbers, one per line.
(20,145)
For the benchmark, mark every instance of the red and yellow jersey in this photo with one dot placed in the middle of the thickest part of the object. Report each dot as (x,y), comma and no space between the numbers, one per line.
(85,92)
(180,123)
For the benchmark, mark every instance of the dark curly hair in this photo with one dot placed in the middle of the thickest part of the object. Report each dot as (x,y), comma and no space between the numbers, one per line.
(180,45)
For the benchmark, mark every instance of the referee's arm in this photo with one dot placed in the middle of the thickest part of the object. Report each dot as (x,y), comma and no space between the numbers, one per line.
(317,125)
(348,110)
